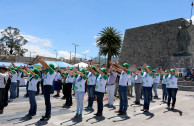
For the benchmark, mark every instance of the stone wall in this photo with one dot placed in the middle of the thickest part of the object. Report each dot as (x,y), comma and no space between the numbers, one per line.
(155,45)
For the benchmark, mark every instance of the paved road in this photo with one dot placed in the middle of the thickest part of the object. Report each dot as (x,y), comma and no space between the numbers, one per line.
(182,116)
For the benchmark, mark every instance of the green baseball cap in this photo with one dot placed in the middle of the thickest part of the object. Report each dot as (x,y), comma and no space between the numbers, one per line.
(103,69)
(154,70)
(16,69)
(172,70)
(52,66)
(148,67)
(166,71)
(36,70)
(126,64)
(93,67)
(70,68)
(82,70)
(19,67)
(12,68)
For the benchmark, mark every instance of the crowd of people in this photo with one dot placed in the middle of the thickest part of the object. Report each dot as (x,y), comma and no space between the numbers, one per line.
(95,81)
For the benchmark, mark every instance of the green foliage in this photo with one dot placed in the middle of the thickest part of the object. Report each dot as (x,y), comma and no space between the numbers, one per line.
(109,42)
(13,41)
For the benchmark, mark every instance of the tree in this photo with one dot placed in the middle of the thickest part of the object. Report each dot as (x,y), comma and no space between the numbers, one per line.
(13,41)
(109,41)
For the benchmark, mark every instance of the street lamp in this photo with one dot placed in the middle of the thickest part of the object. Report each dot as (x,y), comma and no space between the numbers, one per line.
(75,50)
(30,55)
(56,54)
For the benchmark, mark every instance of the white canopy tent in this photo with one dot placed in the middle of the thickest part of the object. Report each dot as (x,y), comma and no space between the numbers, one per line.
(81,65)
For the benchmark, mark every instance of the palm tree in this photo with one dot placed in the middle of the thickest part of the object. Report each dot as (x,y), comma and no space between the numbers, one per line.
(109,41)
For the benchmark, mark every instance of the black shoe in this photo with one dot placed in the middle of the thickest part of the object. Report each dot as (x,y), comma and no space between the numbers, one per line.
(99,114)
(57,96)
(137,103)
(45,118)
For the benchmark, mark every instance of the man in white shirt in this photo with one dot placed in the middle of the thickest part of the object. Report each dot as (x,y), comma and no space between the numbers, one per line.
(3,80)
(125,74)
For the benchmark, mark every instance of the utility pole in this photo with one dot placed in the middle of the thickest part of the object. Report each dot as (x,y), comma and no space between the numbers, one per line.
(70,57)
(56,54)
(31,55)
(75,51)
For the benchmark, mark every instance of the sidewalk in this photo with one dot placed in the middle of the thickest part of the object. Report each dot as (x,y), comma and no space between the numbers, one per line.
(183,115)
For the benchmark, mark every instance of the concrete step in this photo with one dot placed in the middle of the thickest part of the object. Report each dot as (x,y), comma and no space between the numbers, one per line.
(182,88)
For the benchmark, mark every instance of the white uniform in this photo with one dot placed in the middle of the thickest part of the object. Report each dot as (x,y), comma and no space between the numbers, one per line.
(49,77)
(124,77)
(101,83)
(3,79)
(147,79)
(33,83)
(172,81)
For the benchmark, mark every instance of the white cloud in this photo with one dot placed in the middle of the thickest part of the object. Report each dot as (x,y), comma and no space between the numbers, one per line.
(38,50)
(86,51)
(37,40)
(66,54)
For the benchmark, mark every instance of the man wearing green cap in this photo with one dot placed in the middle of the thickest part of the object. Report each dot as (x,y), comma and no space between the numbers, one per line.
(100,88)
(48,81)
(69,83)
(156,81)
(13,84)
(91,82)
(19,77)
(172,87)
(124,77)
(147,86)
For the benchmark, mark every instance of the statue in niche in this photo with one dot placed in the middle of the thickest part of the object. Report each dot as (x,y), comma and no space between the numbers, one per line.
(183,39)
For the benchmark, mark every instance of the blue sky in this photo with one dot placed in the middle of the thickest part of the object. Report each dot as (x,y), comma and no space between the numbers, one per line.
(55,24)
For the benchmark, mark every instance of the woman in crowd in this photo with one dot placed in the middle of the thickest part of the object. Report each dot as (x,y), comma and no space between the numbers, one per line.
(58,83)
(79,90)
(32,89)
(172,87)
(164,82)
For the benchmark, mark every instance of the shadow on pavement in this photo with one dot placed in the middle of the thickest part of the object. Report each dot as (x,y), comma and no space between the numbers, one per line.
(38,123)
(174,110)
(89,111)
(123,118)
(151,115)
(97,118)
(74,120)
(21,119)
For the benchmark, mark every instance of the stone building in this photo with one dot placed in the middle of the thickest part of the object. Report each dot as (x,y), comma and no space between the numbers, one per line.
(157,45)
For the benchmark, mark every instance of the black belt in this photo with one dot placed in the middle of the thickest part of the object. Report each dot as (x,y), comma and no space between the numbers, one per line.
(110,84)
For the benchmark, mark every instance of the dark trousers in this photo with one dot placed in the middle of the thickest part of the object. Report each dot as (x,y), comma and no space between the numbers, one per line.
(32,100)
(138,88)
(69,93)
(64,90)
(27,88)
(47,92)
(123,98)
(18,88)
(38,88)
(90,91)
(164,92)
(172,95)
(147,94)
(42,87)
(2,98)
(99,96)
(7,87)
